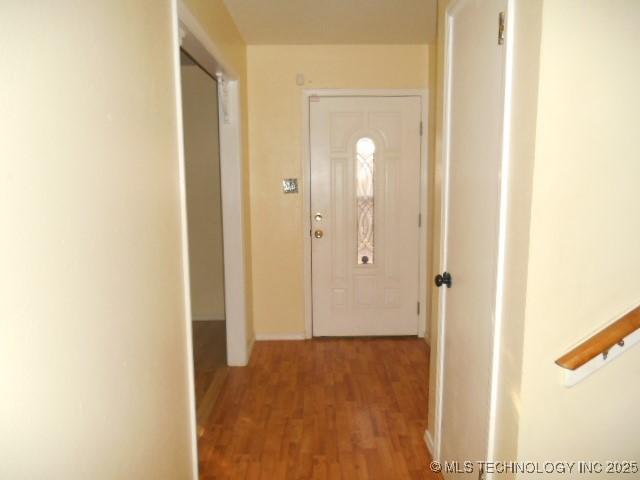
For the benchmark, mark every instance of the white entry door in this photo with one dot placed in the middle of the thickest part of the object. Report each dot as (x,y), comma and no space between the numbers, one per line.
(365,199)
(473,132)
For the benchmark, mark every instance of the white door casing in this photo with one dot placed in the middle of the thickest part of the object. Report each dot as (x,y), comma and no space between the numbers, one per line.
(474,108)
(354,295)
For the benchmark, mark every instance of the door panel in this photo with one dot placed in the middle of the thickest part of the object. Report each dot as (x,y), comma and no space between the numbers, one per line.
(473,149)
(365,180)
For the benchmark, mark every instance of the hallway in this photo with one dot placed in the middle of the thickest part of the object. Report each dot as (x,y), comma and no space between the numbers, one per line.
(322,409)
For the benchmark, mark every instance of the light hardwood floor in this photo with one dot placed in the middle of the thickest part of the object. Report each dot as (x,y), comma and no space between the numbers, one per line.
(322,409)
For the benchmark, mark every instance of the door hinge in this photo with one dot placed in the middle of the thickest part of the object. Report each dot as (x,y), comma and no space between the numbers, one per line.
(500,28)
(418,309)
(419,219)
(421,128)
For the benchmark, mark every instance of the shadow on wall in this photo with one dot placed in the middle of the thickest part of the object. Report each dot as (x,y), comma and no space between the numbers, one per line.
(204,212)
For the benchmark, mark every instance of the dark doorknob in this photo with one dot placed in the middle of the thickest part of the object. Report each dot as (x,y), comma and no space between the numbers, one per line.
(444,279)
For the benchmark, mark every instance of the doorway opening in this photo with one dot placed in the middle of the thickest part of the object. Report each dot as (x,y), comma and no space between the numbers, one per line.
(200,113)
(209,352)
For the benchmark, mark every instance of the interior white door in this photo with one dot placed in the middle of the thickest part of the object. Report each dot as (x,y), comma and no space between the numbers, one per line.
(474,109)
(365,199)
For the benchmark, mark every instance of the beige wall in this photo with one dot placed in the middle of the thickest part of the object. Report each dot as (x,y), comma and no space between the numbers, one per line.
(219,25)
(202,161)
(93,361)
(585,225)
(275,112)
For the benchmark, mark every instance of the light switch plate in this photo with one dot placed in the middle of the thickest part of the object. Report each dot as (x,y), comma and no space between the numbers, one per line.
(290,185)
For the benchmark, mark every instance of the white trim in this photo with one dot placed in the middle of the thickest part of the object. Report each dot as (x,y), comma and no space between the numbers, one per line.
(306,190)
(364,92)
(502,232)
(223,98)
(423,242)
(503,205)
(201,47)
(184,239)
(261,337)
(428,441)
(446,101)
(306,215)
(231,176)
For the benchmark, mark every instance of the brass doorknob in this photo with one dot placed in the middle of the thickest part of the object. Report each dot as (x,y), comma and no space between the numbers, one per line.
(318,233)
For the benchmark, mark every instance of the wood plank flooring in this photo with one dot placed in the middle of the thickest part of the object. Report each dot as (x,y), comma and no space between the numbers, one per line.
(322,409)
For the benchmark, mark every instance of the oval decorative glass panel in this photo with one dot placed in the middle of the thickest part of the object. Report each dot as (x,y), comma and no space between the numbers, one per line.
(365,169)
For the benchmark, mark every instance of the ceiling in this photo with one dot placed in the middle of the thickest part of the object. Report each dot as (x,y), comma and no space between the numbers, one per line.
(307,22)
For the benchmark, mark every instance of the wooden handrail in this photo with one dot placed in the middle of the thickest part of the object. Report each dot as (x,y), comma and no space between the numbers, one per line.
(601,342)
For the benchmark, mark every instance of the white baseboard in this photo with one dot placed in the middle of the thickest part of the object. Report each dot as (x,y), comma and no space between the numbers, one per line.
(206,318)
(280,336)
(429,442)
